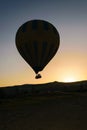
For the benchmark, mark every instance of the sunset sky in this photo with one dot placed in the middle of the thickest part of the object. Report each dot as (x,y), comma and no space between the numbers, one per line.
(70,19)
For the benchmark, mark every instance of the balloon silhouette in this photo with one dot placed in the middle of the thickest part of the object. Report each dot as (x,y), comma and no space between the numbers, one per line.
(37,42)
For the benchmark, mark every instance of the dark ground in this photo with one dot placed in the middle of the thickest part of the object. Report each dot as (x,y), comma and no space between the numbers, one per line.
(64,111)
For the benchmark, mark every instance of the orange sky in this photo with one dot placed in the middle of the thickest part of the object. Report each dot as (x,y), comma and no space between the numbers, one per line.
(70,62)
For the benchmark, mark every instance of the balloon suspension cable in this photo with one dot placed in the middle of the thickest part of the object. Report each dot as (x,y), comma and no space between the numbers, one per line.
(38,76)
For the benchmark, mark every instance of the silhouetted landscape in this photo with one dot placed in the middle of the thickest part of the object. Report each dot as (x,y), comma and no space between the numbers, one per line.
(42,89)
(50,106)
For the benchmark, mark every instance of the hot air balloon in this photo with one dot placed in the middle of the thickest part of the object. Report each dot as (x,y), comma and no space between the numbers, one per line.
(37,42)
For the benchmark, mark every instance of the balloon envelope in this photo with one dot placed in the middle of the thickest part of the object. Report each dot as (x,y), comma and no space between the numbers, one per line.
(37,41)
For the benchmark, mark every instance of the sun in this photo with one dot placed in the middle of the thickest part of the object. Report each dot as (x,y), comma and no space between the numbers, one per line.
(69,79)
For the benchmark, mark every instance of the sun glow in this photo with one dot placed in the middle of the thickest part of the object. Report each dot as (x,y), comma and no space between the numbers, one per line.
(69,79)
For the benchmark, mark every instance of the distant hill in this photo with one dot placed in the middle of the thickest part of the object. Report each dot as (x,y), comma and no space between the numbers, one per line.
(40,89)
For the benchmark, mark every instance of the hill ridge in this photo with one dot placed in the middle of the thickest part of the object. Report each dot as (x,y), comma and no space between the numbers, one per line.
(39,89)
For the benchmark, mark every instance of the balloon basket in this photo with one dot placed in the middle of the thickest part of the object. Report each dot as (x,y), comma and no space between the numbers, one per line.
(38,76)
